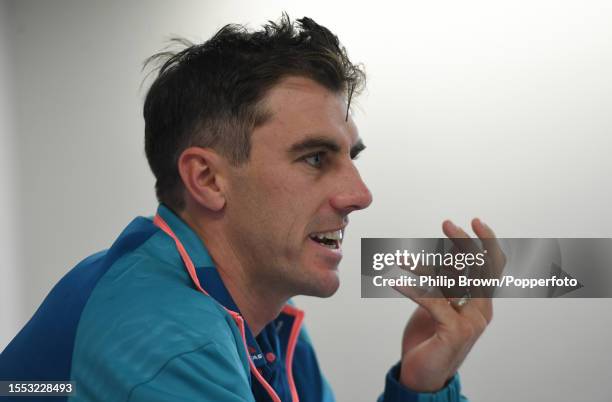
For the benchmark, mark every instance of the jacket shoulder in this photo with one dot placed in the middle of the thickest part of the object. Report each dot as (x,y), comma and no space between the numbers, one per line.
(143,313)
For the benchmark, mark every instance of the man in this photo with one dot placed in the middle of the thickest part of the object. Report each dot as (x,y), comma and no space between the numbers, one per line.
(252,146)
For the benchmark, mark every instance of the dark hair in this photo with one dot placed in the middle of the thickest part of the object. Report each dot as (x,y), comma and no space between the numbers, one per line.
(209,94)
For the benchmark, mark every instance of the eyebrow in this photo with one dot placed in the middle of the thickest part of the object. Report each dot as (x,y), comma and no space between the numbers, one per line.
(324,142)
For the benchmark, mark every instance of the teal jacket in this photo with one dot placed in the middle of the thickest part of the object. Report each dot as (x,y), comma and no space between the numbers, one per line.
(150,320)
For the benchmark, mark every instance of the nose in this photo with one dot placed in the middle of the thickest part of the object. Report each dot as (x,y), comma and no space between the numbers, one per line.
(352,193)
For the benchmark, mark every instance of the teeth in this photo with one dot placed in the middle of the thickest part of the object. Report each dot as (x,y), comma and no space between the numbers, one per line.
(335,235)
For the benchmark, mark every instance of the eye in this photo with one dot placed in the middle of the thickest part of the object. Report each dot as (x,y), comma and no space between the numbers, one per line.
(315,160)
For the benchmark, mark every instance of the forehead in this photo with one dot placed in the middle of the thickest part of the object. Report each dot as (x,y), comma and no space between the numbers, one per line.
(300,107)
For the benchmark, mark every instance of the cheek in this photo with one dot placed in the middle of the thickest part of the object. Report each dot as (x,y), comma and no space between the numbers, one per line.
(261,206)
(281,190)
(280,202)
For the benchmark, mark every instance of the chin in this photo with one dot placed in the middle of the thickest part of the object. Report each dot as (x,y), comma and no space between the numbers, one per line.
(324,287)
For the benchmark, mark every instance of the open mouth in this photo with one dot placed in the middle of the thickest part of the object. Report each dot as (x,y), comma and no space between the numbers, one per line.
(331,240)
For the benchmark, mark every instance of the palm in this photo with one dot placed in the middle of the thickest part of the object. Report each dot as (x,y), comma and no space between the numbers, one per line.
(424,348)
(419,328)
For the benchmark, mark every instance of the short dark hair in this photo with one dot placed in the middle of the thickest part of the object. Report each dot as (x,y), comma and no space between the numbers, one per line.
(210,94)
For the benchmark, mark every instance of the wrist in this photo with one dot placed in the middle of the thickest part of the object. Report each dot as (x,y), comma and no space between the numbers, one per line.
(421,381)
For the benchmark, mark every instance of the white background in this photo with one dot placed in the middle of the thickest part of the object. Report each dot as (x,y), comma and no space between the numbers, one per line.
(500,110)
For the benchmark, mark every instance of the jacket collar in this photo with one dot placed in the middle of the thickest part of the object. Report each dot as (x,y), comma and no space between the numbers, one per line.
(191,241)
(211,281)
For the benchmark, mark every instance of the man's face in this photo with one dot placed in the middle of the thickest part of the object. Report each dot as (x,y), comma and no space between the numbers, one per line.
(287,207)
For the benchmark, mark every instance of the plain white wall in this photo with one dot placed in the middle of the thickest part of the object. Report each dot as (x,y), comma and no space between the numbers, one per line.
(490,109)
(12,312)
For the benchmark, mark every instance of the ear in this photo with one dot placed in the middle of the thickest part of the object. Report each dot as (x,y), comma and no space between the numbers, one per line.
(200,170)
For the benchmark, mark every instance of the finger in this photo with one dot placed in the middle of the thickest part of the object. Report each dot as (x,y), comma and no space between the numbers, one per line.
(459,237)
(439,277)
(431,300)
(421,269)
(479,311)
(463,242)
(489,241)
(453,231)
(434,271)
(481,229)
(472,324)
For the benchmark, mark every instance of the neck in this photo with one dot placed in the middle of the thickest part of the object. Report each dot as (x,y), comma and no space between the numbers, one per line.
(258,303)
